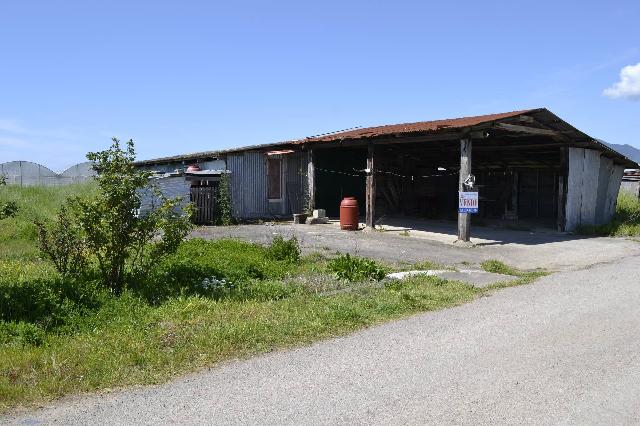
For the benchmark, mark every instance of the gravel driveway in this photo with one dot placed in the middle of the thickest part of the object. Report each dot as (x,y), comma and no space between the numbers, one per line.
(563,350)
(522,249)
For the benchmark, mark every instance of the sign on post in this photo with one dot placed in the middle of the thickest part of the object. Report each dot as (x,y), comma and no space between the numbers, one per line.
(467,202)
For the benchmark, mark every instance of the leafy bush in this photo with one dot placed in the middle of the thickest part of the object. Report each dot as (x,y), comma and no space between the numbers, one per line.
(26,296)
(284,250)
(224,201)
(121,242)
(63,244)
(34,292)
(224,264)
(8,209)
(21,334)
(352,268)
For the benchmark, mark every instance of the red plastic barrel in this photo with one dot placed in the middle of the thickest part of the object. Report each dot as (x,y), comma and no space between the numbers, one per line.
(349,214)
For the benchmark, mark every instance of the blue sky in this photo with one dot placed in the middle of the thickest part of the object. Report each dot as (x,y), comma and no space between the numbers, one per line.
(187,76)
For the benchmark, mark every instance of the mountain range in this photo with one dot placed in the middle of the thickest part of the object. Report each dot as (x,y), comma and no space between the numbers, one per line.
(628,151)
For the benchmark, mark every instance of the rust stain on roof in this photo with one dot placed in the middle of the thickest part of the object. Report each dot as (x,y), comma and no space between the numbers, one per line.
(421,126)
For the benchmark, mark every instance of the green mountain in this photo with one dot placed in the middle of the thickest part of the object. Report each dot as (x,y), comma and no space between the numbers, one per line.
(631,152)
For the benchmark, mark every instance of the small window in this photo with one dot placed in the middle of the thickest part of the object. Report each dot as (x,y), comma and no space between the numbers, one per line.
(274,178)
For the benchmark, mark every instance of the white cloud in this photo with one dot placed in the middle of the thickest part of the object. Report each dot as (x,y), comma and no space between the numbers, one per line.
(629,85)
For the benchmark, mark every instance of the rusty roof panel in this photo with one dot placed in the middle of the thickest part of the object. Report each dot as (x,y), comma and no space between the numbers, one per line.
(421,126)
(418,128)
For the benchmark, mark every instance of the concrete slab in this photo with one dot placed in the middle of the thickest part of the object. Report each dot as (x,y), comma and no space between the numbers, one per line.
(475,277)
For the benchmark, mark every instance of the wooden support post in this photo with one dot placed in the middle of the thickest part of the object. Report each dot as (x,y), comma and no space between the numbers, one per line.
(464,219)
(562,189)
(371,188)
(311,182)
(562,196)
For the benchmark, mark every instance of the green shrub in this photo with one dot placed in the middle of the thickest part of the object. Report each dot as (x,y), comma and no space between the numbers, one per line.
(8,209)
(21,334)
(129,310)
(122,242)
(63,244)
(224,201)
(284,250)
(210,268)
(27,291)
(352,268)
(34,292)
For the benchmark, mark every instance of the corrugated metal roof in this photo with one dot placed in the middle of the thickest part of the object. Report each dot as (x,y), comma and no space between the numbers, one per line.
(418,127)
(406,129)
(421,126)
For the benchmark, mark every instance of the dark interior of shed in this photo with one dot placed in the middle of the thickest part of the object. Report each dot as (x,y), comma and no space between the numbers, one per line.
(515,180)
(516,177)
(338,174)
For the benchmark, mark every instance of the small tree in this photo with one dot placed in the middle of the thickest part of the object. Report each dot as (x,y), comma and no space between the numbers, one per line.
(121,241)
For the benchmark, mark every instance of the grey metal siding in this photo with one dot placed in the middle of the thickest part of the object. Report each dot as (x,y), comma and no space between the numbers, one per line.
(255,185)
(249,185)
(235,164)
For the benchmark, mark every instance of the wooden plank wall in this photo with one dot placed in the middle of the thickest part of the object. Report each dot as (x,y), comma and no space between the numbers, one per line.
(205,203)
(593,185)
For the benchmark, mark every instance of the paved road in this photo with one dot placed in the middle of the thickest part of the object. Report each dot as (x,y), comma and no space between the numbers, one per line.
(565,350)
(526,250)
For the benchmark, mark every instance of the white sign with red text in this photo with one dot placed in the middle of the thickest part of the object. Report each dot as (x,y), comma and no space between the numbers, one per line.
(467,202)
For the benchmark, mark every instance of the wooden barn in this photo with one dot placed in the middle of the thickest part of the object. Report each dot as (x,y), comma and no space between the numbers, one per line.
(527,166)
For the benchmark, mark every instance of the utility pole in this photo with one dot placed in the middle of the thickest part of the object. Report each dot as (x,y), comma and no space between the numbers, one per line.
(464,219)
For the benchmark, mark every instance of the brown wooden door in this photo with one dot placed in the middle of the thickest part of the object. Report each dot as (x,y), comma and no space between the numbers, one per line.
(204,201)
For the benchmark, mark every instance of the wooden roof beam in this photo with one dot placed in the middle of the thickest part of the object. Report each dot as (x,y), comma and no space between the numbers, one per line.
(529,130)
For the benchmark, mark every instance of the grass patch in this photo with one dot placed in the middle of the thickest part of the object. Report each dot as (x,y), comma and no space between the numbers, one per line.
(353,268)
(429,265)
(18,234)
(498,267)
(130,342)
(520,277)
(625,222)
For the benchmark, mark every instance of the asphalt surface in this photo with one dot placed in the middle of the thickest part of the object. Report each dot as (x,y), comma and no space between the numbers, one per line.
(565,350)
